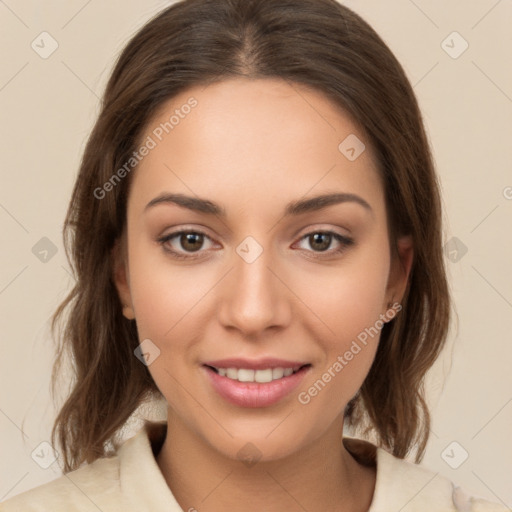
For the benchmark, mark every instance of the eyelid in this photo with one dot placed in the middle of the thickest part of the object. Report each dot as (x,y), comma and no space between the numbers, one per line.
(162,240)
(344,242)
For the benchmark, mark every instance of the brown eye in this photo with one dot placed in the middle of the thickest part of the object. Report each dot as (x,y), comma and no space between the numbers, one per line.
(320,241)
(325,243)
(191,241)
(184,243)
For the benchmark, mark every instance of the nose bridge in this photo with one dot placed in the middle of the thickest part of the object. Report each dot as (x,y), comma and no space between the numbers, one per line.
(254,299)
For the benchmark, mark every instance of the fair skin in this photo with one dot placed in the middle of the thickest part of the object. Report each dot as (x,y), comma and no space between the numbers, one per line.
(252,147)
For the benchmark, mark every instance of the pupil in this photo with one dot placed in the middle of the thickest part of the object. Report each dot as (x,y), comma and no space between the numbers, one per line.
(189,241)
(322,239)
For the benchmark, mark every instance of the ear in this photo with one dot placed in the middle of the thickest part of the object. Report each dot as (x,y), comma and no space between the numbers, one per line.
(119,255)
(401,264)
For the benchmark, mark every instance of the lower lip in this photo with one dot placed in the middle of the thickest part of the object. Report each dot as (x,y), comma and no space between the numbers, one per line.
(254,394)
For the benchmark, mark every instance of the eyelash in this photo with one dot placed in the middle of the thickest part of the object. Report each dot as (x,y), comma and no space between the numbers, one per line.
(344,242)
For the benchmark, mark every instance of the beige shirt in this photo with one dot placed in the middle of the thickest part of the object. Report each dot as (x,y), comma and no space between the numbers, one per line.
(131,481)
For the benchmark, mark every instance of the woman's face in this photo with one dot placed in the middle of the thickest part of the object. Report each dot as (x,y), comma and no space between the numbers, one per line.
(271,273)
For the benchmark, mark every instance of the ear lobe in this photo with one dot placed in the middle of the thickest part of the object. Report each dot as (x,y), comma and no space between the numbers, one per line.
(120,277)
(401,266)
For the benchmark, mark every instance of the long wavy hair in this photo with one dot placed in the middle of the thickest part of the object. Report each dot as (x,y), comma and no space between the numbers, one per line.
(318,43)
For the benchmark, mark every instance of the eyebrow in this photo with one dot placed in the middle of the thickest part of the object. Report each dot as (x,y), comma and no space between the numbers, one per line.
(293,208)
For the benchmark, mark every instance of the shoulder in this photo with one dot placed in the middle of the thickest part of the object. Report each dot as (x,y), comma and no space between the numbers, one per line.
(89,488)
(408,487)
(129,480)
(414,488)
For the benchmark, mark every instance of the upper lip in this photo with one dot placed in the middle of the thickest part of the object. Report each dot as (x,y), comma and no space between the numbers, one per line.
(255,364)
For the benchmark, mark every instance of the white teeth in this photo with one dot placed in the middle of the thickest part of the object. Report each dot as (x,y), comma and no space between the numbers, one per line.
(262,376)
(245,375)
(277,373)
(232,373)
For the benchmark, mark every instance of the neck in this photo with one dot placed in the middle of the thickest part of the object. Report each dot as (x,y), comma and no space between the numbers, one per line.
(322,476)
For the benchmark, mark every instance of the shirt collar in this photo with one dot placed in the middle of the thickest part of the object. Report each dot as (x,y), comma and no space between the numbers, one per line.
(146,489)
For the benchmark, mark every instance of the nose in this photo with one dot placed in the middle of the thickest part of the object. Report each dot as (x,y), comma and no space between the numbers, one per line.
(253,299)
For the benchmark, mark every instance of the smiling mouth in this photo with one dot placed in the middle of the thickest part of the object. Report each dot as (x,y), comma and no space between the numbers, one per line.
(260,376)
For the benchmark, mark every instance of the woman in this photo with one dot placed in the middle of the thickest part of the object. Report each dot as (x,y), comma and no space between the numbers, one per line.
(282,140)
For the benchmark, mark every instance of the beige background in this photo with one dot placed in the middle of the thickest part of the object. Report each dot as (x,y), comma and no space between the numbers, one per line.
(48,107)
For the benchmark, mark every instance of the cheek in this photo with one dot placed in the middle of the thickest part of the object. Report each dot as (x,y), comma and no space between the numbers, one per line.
(349,298)
(169,309)
(163,292)
(344,317)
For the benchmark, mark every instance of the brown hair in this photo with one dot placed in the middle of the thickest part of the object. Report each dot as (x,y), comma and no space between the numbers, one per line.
(317,43)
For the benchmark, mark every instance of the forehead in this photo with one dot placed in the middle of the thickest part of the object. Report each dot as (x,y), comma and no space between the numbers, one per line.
(251,140)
